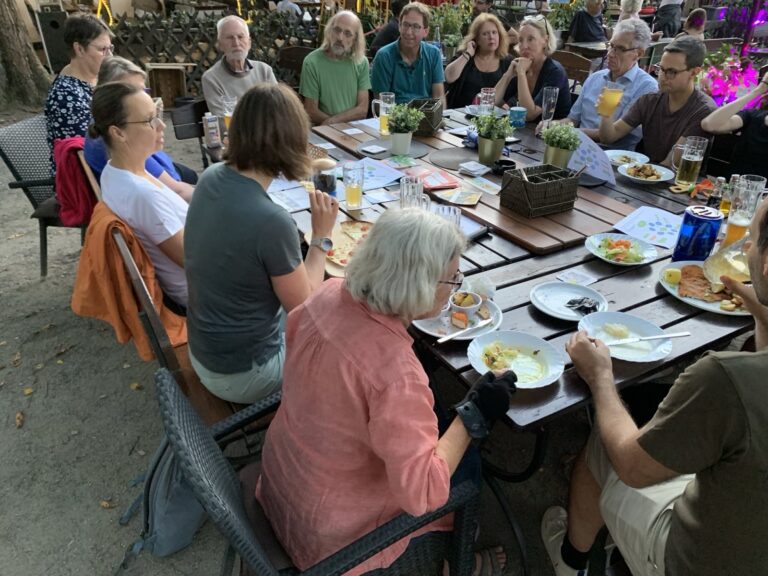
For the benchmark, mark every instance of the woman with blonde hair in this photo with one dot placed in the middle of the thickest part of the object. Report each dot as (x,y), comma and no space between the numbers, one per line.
(524,81)
(241,250)
(482,60)
(355,442)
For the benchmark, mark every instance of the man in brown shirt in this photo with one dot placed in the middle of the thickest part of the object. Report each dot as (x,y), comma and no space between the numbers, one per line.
(688,493)
(674,112)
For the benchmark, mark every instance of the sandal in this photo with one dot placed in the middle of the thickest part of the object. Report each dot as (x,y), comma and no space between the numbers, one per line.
(489,563)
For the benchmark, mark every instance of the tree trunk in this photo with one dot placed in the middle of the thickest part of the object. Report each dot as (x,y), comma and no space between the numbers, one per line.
(26,81)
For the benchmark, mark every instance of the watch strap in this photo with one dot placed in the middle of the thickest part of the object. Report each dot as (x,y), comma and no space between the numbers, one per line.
(472,419)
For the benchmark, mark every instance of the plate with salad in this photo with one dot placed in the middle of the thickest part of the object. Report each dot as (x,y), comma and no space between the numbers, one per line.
(621,249)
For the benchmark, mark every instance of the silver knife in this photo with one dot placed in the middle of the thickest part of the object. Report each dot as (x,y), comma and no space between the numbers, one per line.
(462,332)
(644,338)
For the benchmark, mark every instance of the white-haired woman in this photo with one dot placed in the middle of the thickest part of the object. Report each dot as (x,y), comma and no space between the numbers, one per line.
(630,9)
(524,81)
(355,441)
(335,78)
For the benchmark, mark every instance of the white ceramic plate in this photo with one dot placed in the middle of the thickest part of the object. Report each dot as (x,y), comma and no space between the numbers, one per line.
(666,174)
(695,302)
(474,110)
(615,156)
(440,326)
(551,298)
(533,349)
(648,251)
(637,352)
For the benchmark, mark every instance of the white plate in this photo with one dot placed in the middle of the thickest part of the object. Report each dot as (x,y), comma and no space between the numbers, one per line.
(648,251)
(440,326)
(613,156)
(666,174)
(695,302)
(551,298)
(550,358)
(637,352)
(474,109)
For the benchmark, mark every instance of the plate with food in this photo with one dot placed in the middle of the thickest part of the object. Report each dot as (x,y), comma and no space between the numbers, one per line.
(612,326)
(621,157)
(686,281)
(621,249)
(346,237)
(453,318)
(474,110)
(567,301)
(535,361)
(646,173)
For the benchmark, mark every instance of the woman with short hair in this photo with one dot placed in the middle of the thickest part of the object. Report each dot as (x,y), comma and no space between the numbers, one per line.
(242,252)
(355,440)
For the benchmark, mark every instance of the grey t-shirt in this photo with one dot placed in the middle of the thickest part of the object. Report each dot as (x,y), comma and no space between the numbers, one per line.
(714,423)
(235,240)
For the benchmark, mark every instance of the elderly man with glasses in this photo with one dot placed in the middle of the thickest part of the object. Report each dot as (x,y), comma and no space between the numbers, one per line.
(629,42)
(335,78)
(673,113)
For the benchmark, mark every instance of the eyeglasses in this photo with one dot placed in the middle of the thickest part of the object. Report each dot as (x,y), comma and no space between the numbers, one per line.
(153,122)
(104,49)
(455,282)
(347,33)
(621,49)
(670,73)
(409,26)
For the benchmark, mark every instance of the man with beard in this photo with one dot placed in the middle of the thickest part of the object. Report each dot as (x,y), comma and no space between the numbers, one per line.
(234,74)
(335,78)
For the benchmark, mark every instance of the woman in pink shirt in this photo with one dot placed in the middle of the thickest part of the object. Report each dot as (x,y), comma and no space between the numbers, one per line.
(355,441)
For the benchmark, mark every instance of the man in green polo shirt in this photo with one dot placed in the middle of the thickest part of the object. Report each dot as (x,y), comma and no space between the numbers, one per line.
(335,78)
(410,67)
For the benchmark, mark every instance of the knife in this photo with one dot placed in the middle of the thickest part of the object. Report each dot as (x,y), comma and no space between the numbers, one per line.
(644,338)
(462,332)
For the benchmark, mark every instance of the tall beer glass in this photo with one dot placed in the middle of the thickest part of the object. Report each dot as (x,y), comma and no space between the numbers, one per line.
(690,160)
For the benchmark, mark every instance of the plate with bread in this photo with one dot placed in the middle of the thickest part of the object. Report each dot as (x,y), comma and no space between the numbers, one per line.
(464,310)
(686,281)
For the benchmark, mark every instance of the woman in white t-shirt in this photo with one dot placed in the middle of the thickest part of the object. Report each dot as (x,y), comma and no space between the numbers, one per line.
(126,118)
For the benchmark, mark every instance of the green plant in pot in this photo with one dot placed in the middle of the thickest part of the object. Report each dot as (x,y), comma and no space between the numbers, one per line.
(403,122)
(492,130)
(562,140)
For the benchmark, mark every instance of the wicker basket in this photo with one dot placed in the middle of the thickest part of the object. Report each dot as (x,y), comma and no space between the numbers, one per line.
(549,190)
(433,115)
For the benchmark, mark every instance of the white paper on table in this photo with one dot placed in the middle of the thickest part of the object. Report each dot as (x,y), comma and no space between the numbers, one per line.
(597,162)
(352,131)
(484,185)
(292,200)
(576,277)
(381,196)
(378,174)
(368,122)
(326,145)
(279,184)
(653,225)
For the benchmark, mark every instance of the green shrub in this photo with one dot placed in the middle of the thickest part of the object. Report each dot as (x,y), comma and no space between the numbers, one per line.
(492,126)
(561,136)
(404,119)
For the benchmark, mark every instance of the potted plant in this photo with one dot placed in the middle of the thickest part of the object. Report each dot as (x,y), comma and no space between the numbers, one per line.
(492,130)
(561,140)
(450,43)
(560,16)
(403,122)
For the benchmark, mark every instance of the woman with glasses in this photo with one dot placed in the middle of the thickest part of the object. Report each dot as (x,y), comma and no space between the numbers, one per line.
(524,81)
(355,441)
(68,104)
(481,62)
(127,120)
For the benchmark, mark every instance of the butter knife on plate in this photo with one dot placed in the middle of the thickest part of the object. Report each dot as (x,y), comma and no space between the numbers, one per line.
(645,338)
(462,332)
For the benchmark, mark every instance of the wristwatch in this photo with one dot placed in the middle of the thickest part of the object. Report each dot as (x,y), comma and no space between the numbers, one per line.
(325,244)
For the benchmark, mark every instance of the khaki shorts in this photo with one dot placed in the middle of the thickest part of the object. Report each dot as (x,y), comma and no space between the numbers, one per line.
(638,519)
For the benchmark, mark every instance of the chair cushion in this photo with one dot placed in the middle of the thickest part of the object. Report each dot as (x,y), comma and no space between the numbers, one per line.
(47,209)
(249,476)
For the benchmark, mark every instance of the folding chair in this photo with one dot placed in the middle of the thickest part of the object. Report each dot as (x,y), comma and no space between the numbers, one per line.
(188,123)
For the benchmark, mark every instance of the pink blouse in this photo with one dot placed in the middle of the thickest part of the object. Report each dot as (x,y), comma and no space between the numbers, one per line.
(353,443)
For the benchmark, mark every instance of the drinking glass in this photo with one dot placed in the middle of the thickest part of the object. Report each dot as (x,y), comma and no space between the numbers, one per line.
(353,185)
(744,202)
(325,182)
(411,193)
(450,213)
(548,105)
(385,101)
(229,103)
(487,101)
(609,99)
(690,155)
(728,261)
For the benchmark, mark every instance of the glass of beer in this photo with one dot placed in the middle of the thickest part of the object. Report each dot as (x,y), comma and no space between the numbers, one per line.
(609,99)
(229,103)
(385,101)
(691,157)
(744,202)
(354,174)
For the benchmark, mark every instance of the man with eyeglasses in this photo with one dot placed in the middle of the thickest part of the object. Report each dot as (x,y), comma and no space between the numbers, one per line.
(629,41)
(410,67)
(234,74)
(673,113)
(335,78)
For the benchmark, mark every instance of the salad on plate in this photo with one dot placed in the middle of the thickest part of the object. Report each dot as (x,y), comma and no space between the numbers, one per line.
(621,250)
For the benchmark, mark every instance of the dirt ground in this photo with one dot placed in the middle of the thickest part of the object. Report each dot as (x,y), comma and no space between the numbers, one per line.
(91,424)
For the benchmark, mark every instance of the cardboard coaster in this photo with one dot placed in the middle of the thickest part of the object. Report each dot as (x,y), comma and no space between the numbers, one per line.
(418,149)
(450,158)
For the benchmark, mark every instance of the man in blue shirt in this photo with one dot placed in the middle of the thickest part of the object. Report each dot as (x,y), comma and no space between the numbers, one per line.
(629,41)
(410,67)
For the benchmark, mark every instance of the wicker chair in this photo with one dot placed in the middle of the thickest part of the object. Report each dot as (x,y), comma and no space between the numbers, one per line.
(24,149)
(220,492)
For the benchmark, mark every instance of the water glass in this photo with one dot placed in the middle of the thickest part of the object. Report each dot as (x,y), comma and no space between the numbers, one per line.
(450,213)
(487,101)
(385,102)
(411,193)
(354,174)
(548,105)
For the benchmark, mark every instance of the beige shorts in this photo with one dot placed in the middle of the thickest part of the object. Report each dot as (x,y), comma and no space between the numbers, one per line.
(638,519)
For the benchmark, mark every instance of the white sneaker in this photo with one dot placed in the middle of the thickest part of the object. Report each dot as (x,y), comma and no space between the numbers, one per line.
(554,525)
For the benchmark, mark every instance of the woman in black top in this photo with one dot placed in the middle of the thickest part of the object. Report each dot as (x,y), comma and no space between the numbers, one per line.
(481,62)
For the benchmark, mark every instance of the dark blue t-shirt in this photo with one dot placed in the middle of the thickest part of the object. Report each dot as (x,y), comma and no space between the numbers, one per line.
(552,74)
(586,28)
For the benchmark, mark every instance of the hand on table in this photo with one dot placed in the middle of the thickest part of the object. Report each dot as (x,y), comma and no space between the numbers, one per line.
(591,358)
(324,209)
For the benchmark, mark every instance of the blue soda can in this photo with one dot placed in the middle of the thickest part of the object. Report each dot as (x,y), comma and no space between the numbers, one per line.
(698,233)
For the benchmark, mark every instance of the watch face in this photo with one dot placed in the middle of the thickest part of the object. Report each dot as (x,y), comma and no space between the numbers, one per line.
(325,244)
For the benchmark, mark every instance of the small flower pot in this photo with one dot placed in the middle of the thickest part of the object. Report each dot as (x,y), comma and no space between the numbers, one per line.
(557,156)
(401,143)
(488,151)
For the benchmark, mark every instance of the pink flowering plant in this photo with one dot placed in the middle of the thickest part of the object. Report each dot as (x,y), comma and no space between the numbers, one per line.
(725,76)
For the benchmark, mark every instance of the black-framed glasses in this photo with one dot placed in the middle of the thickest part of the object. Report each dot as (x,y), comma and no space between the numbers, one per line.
(670,73)
(347,33)
(455,282)
(153,122)
(621,49)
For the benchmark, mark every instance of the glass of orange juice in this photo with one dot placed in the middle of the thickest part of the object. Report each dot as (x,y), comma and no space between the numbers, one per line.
(354,174)
(609,99)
